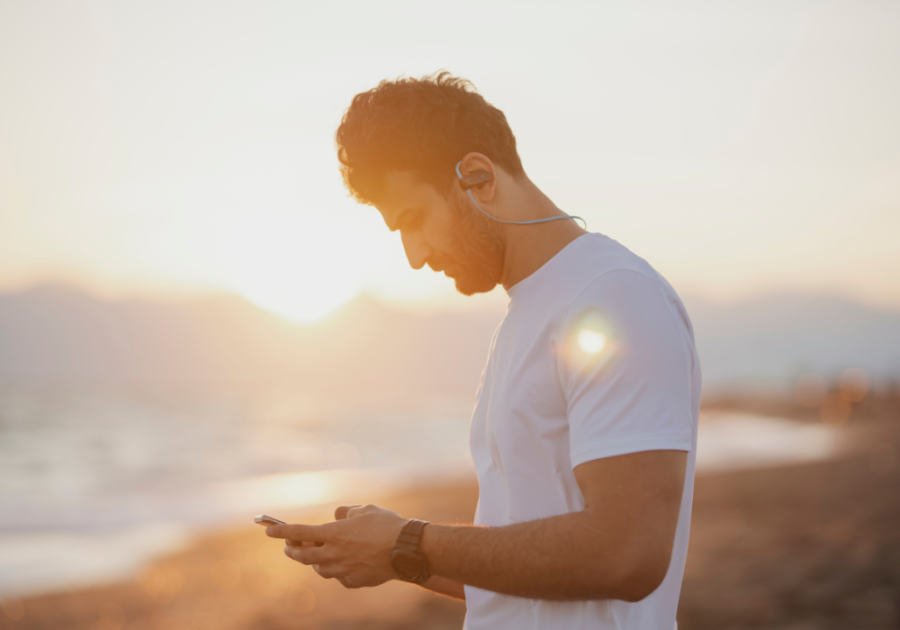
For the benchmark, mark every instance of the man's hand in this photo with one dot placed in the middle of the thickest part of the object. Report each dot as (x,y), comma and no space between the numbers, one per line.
(355,549)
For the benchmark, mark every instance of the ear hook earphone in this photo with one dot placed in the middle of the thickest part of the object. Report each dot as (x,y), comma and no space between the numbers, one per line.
(477,178)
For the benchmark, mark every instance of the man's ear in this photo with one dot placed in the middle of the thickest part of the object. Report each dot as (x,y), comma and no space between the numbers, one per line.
(473,163)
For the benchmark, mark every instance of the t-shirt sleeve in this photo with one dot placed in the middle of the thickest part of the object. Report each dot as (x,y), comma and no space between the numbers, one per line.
(625,366)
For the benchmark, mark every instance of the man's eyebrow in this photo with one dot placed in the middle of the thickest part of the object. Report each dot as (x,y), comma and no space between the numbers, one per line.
(398,219)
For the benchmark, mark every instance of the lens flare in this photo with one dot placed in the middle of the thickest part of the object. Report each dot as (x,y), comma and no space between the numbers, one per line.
(853,384)
(810,390)
(591,341)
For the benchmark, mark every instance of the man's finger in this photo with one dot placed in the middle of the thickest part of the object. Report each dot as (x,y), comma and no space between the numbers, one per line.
(341,513)
(309,533)
(309,555)
(356,510)
(329,571)
(291,552)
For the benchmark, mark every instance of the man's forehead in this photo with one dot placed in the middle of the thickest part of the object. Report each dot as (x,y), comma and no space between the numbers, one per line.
(396,186)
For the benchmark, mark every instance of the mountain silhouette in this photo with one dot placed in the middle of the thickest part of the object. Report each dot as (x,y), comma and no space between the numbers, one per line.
(55,335)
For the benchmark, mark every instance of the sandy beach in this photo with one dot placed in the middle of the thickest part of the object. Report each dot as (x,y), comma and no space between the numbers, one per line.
(802,546)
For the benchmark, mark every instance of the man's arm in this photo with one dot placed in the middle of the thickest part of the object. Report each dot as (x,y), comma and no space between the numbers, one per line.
(618,547)
(445,586)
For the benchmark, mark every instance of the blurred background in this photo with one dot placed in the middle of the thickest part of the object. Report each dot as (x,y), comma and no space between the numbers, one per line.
(197,324)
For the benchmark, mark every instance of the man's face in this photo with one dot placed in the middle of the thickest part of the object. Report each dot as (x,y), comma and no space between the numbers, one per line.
(447,234)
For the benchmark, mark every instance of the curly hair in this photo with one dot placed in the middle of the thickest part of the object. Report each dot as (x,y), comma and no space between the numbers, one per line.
(422,125)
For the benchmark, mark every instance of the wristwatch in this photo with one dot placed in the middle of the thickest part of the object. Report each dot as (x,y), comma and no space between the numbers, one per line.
(408,562)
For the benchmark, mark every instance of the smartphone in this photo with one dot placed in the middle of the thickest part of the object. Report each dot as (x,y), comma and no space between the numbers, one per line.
(266,521)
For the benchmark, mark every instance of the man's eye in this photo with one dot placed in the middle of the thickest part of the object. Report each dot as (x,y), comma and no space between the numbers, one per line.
(412,223)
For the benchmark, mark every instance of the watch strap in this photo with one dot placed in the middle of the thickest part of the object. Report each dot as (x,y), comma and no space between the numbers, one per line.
(411,534)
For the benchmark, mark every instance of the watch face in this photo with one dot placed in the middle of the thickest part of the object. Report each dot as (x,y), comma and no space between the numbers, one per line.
(409,565)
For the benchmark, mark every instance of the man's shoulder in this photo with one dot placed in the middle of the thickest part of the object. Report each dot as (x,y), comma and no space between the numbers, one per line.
(598,257)
(592,270)
(611,279)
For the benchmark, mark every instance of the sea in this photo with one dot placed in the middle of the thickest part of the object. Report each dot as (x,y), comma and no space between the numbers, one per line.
(95,484)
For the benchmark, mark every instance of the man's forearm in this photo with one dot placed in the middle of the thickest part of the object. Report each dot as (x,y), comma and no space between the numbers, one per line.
(445,586)
(564,557)
(618,547)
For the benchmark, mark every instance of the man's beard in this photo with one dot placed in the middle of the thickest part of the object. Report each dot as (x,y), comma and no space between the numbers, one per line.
(479,248)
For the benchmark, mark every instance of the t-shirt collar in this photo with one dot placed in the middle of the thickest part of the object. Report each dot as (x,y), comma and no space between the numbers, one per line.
(523,284)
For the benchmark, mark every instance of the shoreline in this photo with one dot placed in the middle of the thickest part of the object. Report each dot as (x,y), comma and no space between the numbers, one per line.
(109,538)
(770,547)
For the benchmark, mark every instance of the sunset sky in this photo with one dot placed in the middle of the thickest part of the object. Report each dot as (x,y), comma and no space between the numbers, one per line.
(151,147)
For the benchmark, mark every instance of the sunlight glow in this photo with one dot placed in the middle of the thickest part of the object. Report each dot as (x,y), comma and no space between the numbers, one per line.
(303,489)
(301,257)
(281,296)
(591,342)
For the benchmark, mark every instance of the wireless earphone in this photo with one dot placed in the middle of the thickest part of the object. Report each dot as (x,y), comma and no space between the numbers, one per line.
(477,178)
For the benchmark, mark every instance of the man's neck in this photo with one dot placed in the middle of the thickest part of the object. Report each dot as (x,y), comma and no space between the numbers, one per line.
(529,247)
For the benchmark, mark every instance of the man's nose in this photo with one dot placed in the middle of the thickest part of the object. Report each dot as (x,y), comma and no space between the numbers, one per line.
(417,250)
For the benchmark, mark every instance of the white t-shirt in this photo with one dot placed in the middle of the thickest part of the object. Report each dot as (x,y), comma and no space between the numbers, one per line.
(595,358)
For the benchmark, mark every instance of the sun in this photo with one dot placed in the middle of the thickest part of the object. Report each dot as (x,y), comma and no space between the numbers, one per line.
(298,300)
(300,267)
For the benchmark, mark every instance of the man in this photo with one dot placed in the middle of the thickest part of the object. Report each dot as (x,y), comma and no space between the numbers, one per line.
(584,431)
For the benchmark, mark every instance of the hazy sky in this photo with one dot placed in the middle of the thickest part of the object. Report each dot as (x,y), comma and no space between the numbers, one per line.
(741,147)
